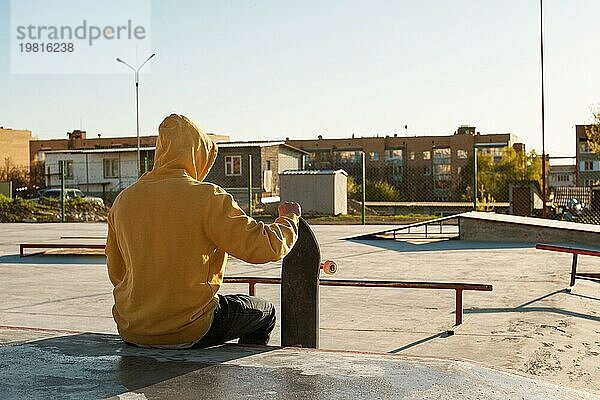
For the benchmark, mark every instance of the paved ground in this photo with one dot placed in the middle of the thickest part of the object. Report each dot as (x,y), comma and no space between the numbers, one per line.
(93,366)
(528,326)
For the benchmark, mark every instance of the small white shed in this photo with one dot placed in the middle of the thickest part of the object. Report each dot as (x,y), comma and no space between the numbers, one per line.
(318,191)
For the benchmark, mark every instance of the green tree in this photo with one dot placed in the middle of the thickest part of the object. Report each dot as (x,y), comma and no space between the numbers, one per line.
(353,188)
(374,190)
(380,191)
(494,177)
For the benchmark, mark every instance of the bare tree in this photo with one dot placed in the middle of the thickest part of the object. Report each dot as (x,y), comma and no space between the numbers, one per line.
(9,172)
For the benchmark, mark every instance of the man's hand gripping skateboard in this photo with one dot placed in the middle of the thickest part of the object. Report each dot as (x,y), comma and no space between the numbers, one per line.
(329,267)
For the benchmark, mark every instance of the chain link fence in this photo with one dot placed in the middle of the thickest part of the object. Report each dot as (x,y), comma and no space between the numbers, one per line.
(97,176)
(439,183)
(396,184)
(242,177)
(106,176)
(574,190)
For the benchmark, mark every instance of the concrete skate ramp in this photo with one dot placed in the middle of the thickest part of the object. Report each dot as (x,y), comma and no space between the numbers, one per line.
(491,227)
(99,366)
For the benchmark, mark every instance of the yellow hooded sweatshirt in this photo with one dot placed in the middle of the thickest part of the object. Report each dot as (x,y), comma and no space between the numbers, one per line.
(169,235)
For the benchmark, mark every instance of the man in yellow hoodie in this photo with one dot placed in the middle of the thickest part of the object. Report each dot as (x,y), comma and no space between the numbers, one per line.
(169,235)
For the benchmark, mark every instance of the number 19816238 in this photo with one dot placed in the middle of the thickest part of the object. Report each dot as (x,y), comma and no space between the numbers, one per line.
(46,47)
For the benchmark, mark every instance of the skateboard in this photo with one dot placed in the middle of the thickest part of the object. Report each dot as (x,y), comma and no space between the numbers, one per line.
(300,290)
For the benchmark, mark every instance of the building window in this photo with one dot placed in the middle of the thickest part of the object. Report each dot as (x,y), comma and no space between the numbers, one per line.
(426,171)
(374,156)
(584,147)
(111,167)
(233,165)
(427,155)
(347,156)
(588,165)
(397,171)
(411,155)
(442,171)
(319,160)
(563,178)
(268,166)
(442,156)
(496,152)
(441,184)
(462,154)
(393,155)
(68,169)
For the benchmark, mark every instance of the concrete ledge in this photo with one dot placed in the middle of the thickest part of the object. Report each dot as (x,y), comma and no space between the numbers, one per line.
(490,227)
(99,366)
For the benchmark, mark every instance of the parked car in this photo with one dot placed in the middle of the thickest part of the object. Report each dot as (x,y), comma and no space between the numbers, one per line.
(69,194)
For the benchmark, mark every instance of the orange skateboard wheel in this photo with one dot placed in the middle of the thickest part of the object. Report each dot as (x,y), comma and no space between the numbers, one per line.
(329,267)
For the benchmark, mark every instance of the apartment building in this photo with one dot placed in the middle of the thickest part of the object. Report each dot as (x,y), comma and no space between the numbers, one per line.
(14,148)
(588,162)
(421,168)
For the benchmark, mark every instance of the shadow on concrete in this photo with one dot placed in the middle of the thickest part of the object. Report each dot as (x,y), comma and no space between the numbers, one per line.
(55,301)
(93,365)
(534,309)
(54,259)
(420,341)
(439,245)
(545,296)
(584,296)
(525,307)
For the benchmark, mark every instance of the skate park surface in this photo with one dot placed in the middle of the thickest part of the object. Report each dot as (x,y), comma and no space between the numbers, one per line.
(529,338)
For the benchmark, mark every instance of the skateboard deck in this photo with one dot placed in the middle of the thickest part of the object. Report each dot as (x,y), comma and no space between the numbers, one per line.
(300,291)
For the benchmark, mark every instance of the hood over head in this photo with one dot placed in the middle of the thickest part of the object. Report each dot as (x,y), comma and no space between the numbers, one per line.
(182,145)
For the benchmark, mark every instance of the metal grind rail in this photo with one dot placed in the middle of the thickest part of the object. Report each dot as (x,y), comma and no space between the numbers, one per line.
(398,231)
(457,287)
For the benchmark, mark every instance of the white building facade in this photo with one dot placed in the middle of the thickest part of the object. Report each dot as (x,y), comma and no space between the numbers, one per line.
(105,172)
(96,171)
(562,175)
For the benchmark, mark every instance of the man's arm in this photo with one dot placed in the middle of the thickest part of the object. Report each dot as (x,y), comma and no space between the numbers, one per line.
(232,231)
(114,259)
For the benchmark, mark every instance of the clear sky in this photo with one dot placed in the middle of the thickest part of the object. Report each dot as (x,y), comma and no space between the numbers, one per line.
(275,69)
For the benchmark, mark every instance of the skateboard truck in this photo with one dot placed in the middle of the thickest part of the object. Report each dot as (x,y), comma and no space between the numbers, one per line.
(329,267)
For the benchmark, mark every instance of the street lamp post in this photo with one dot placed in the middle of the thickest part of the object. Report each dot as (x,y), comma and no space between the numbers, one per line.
(543,117)
(137,104)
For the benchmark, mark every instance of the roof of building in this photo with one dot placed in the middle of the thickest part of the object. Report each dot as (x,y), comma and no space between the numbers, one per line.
(259,144)
(251,144)
(104,150)
(563,194)
(314,172)
(562,168)
(400,136)
(152,148)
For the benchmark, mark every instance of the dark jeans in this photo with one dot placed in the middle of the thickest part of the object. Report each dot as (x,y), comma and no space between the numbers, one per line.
(249,318)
